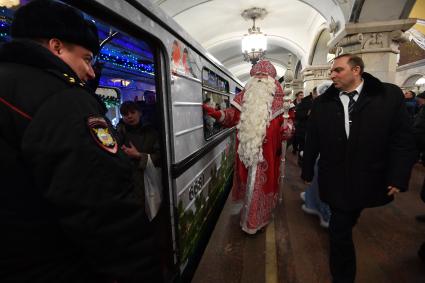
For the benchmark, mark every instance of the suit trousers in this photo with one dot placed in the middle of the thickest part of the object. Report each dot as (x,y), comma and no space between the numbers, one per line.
(342,258)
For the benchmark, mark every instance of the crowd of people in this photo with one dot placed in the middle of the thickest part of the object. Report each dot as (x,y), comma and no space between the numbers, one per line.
(77,185)
(356,147)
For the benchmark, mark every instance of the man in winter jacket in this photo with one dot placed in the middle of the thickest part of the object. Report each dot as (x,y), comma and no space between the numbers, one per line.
(302,114)
(419,133)
(360,128)
(68,210)
(411,104)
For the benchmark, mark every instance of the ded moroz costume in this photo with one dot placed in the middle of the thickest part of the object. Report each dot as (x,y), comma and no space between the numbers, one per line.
(257,114)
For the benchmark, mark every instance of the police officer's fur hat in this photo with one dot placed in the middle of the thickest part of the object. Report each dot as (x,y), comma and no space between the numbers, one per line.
(51,19)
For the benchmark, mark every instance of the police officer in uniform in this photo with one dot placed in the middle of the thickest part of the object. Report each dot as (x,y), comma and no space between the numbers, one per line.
(68,210)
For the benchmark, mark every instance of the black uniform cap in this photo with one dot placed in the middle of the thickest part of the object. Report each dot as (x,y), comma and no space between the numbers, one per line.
(51,19)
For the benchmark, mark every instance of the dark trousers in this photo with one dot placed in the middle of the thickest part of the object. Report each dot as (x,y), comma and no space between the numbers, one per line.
(342,253)
(294,142)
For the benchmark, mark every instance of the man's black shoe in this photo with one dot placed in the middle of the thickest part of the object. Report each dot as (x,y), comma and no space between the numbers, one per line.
(420,217)
(421,252)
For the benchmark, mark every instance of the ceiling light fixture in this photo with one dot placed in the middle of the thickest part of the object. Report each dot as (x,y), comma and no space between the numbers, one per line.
(254,44)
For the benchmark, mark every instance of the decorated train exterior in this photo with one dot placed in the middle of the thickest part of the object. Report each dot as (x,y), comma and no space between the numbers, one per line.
(154,61)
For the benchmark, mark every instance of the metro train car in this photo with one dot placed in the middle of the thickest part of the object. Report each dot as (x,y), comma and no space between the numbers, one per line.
(148,58)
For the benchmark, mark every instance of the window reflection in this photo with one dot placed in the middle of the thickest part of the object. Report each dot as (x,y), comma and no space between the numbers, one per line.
(219,102)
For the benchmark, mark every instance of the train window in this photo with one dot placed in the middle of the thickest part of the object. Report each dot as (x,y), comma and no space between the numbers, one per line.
(212,80)
(219,102)
(127,64)
(214,94)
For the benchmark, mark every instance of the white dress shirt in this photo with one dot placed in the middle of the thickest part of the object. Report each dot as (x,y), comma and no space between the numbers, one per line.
(345,100)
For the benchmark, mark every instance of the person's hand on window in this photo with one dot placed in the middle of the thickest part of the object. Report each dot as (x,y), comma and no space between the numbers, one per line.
(210,111)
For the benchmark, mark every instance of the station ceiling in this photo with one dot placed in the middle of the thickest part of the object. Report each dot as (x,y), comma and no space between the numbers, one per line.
(292,26)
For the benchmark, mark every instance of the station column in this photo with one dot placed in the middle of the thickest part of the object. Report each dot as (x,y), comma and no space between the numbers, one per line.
(313,76)
(376,43)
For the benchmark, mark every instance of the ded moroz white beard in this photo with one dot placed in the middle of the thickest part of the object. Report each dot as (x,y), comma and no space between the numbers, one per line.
(255,118)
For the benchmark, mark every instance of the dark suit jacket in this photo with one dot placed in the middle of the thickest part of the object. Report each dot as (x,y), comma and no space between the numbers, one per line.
(354,173)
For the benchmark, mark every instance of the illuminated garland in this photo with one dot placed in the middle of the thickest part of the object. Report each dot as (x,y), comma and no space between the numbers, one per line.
(110,102)
(126,61)
(5,23)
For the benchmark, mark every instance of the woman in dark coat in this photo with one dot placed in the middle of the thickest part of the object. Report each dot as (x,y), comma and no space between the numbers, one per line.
(419,132)
(139,141)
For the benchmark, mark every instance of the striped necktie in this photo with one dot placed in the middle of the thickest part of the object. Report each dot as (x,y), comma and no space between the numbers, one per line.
(351,103)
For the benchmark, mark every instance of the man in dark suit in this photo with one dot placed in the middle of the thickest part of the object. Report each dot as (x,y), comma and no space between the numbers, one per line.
(360,128)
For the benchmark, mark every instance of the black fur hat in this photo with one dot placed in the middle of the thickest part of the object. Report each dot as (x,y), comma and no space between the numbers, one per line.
(51,19)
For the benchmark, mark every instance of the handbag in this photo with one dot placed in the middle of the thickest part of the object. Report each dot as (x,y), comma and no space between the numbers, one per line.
(153,189)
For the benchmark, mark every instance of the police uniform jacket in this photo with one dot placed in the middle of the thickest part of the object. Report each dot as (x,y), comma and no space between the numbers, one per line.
(68,210)
(354,172)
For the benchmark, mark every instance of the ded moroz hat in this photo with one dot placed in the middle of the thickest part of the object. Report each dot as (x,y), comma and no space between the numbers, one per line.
(264,67)
(51,19)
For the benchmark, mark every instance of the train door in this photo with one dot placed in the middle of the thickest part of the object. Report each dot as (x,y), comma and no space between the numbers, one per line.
(130,63)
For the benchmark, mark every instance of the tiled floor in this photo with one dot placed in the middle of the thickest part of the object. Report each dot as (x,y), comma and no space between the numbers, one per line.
(386,238)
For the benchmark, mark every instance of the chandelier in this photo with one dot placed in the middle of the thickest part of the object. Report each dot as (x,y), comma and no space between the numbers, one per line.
(9,3)
(254,44)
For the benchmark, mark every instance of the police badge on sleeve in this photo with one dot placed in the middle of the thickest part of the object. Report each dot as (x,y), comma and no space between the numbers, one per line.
(101,133)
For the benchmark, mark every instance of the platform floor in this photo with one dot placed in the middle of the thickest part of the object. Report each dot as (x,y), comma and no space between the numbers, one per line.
(294,248)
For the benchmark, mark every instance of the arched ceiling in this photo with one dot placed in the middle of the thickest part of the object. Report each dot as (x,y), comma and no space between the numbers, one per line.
(218,26)
(292,26)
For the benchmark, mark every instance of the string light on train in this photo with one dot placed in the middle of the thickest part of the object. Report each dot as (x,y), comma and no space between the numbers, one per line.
(5,22)
(126,61)
(254,44)
(110,102)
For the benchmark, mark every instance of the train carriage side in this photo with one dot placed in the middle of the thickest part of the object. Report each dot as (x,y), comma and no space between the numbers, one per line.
(203,157)
(151,60)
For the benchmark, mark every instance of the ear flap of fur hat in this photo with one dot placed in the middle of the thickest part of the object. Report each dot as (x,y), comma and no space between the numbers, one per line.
(51,19)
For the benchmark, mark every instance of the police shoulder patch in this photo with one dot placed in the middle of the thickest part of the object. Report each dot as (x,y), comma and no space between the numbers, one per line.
(101,133)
